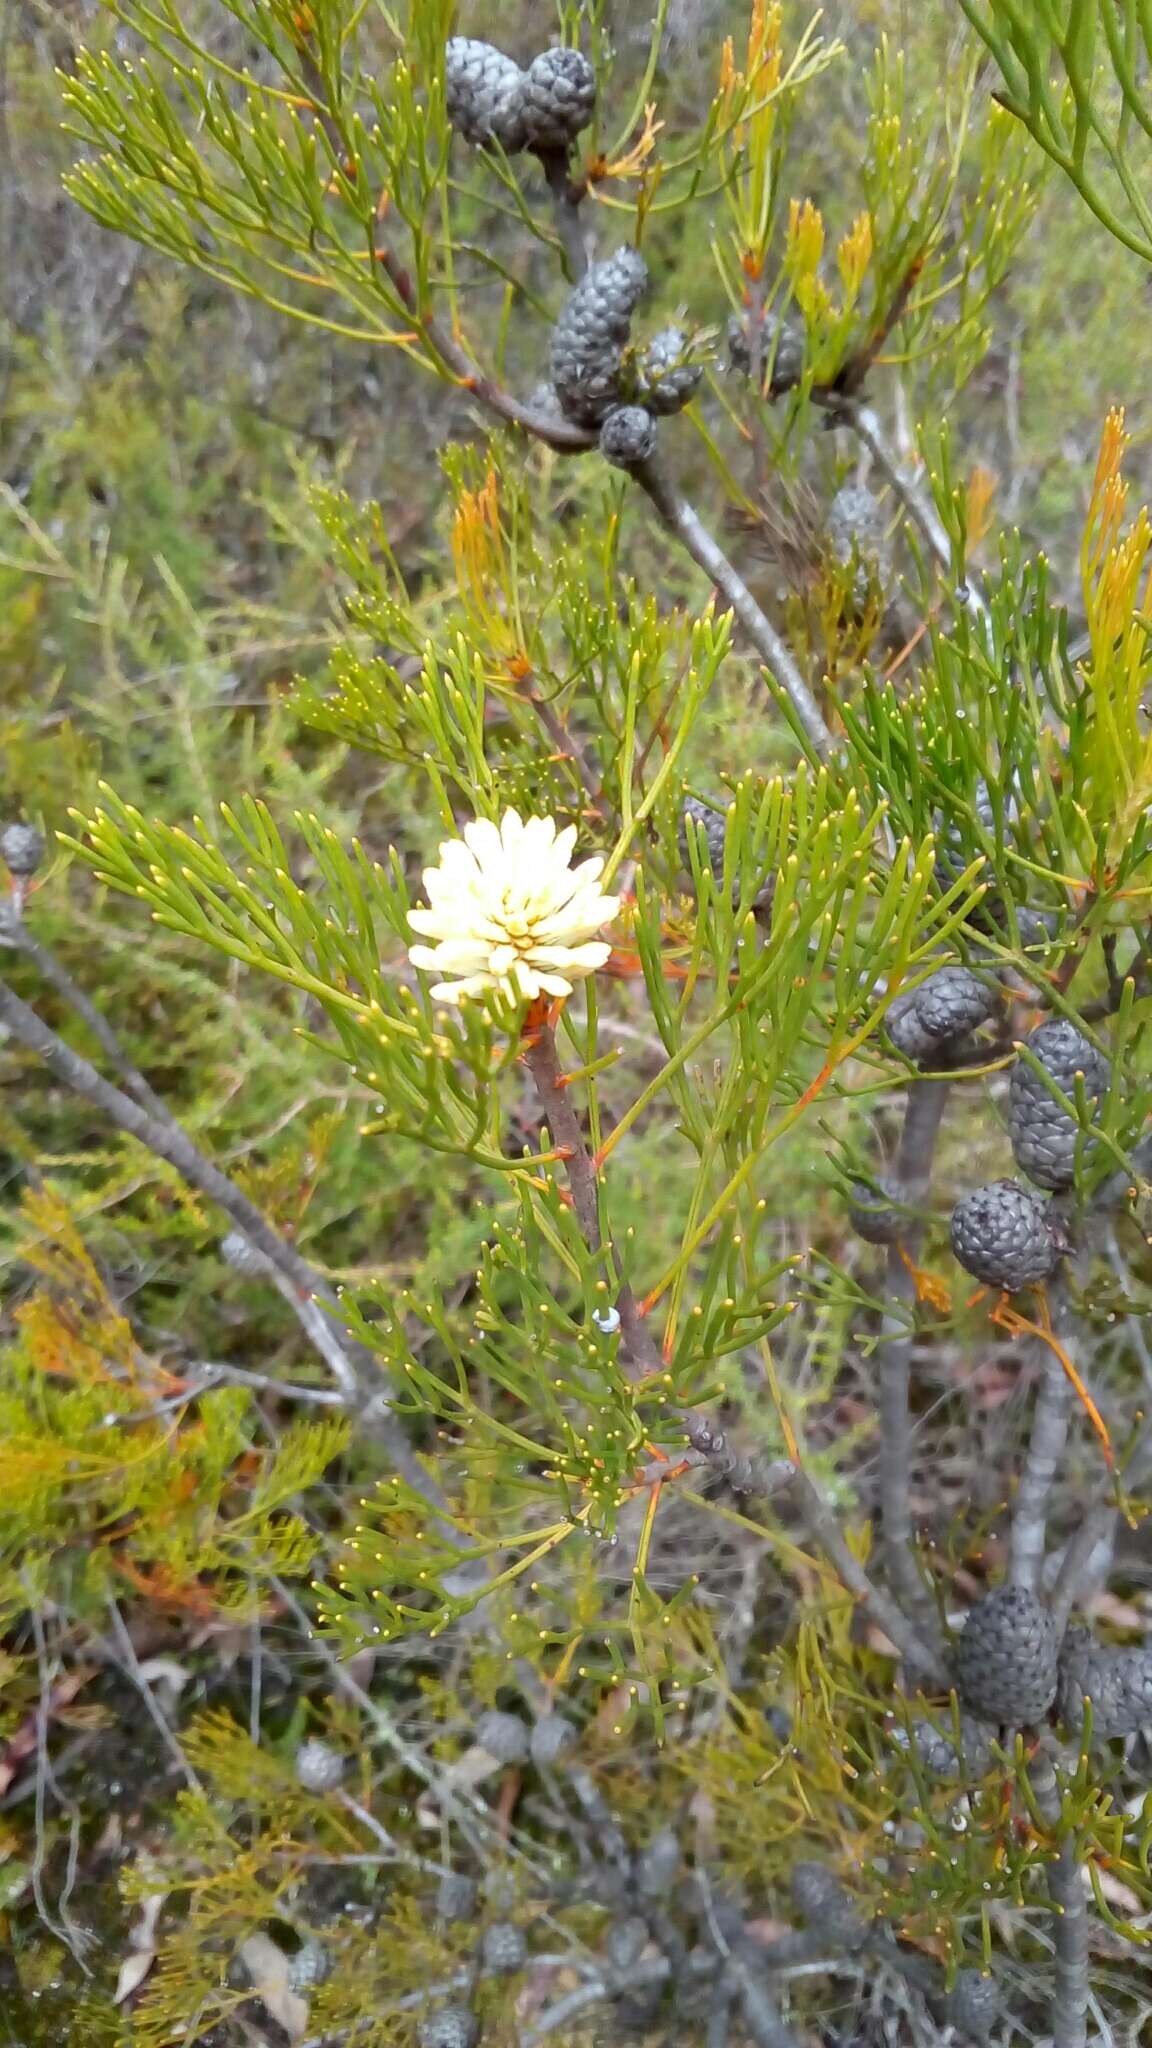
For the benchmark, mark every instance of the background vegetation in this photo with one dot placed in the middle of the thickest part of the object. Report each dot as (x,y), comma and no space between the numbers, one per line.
(185,562)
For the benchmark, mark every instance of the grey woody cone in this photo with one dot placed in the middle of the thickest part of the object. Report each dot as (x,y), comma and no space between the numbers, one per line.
(552,1737)
(22,849)
(666,381)
(856,536)
(1117,1682)
(950,1004)
(456,1896)
(1043,1135)
(973,2005)
(1002,1236)
(625,1943)
(658,1865)
(452,2027)
(715,824)
(937,1750)
(319,1767)
(591,335)
(504,1736)
(559,98)
(781,351)
(627,436)
(503,1949)
(1006,1658)
(951,859)
(311,1965)
(484,94)
(818,1894)
(876,1213)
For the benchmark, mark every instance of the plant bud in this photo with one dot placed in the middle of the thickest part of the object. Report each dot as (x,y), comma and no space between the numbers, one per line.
(781,351)
(666,378)
(877,1213)
(484,94)
(946,1007)
(1116,1682)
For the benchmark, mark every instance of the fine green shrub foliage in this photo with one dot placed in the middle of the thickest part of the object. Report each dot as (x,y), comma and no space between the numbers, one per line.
(615,1408)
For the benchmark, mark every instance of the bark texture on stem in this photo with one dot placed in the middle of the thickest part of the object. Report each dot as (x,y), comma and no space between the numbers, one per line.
(913,1172)
(15,932)
(566,198)
(1069,1913)
(1050,1420)
(684,523)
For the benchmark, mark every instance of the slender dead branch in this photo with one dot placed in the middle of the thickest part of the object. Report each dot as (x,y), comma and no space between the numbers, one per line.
(913,1171)
(916,502)
(683,522)
(309,1296)
(15,933)
(924,1660)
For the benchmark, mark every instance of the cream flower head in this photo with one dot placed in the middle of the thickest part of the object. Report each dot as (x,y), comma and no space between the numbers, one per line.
(509,912)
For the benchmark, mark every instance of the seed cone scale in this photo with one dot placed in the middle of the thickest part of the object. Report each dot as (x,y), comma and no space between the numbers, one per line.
(1044,1136)
(591,335)
(1006,1658)
(1001,1234)
(1117,1682)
